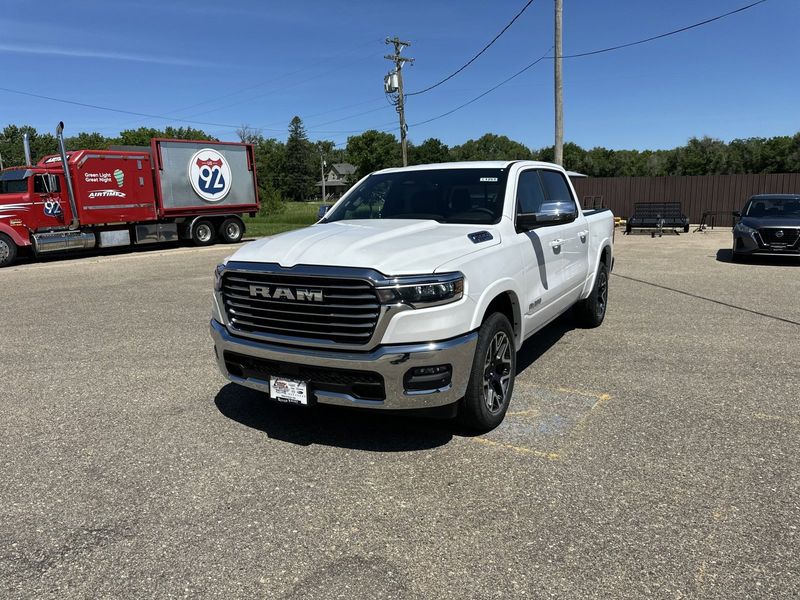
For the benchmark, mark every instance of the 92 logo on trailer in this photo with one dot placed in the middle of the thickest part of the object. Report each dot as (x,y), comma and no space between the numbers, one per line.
(210,175)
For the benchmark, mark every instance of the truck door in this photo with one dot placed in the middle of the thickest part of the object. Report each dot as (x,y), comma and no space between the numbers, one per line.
(574,255)
(48,202)
(541,249)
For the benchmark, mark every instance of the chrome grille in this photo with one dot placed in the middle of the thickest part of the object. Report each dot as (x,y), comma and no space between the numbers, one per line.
(347,314)
(770,235)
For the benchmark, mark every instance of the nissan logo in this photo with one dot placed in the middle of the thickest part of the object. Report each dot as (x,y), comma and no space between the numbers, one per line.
(779,233)
(282,293)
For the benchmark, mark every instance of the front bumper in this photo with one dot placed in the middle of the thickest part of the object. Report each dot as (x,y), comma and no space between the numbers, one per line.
(391,362)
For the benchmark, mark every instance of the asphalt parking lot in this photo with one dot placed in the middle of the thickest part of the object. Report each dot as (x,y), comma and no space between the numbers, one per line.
(657,456)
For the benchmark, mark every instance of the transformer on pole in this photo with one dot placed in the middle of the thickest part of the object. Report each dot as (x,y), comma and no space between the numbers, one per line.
(393,86)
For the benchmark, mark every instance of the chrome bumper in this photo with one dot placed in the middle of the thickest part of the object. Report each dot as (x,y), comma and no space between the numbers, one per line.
(392,362)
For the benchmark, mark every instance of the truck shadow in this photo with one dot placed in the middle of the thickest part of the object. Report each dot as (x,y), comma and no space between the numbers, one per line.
(725,255)
(27,257)
(363,429)
(543,340)
(331,425)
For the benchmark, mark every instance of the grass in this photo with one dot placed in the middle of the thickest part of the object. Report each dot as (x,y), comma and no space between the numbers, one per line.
(293,216)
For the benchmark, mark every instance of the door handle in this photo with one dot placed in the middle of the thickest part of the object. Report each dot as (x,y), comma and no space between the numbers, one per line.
(556,243)
(583,235)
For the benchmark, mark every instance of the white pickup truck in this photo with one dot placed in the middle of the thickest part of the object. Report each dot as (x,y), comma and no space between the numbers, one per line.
(416,290)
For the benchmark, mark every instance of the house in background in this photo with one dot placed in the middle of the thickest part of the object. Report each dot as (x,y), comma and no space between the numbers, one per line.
(338,180)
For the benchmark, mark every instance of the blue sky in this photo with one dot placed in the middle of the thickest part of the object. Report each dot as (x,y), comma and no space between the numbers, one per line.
(260,63)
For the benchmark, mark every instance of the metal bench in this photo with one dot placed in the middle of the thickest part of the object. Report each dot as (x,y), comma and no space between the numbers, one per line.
(658,216)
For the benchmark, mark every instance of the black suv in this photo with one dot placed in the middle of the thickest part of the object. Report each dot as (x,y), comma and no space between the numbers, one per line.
(768,224)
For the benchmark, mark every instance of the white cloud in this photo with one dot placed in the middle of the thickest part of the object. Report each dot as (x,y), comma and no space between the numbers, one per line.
(76,53)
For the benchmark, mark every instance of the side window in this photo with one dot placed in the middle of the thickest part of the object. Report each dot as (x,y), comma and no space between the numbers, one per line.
(14,186)
(559,198)
(40,184)
(530,196)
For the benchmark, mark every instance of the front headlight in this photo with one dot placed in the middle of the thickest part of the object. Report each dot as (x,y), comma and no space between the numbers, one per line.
(422,291)
(744,229)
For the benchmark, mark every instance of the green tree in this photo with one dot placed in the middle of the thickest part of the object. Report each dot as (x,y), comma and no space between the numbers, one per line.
(11,148)
(431,151)
(88,141)
(373,150)
(702,156)
(298,166)
(491,147)
(139,137)
(143,135)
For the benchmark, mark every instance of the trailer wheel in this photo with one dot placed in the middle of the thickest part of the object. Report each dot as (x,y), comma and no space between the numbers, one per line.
(203,233)
(231,231)
(8,250)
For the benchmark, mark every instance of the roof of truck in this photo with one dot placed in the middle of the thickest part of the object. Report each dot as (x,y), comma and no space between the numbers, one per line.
(471,164)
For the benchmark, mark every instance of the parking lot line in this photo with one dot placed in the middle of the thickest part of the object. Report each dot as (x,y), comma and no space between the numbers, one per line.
(517,449)
(707,299)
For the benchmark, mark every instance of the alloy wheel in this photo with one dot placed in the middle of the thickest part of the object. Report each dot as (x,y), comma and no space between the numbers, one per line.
(497,372)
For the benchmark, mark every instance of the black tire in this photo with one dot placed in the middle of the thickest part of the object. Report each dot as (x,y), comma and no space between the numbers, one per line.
(591,311)
(686,229)
(8,250)
(203,233)
(231,231)
(491,382)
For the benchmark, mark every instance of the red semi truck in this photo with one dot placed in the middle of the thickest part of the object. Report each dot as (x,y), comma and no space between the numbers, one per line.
(173,190)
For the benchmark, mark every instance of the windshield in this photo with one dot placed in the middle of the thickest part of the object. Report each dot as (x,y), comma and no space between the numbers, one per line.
(443,195)
(776,208)
(14,181)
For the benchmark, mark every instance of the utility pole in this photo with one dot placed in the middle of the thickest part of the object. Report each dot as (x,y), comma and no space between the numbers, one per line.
(559,89)
(322,170)
(393,84)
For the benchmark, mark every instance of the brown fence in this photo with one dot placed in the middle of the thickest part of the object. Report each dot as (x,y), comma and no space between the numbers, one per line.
(697,194)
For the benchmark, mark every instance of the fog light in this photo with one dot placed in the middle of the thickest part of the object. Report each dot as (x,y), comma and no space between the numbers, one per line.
(428,378)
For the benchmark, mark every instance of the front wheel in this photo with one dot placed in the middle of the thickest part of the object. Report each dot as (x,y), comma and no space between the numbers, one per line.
(591,311)
(8,250)
(492,380)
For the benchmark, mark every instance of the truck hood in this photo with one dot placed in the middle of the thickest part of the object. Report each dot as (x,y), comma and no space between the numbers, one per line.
(757,222)
(391,246)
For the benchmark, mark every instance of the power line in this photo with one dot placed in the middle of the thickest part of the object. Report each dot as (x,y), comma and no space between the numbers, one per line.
(366,112)
(662,35)
(147,115)
(268,81)
(333,110)
(471,60)
(489,91)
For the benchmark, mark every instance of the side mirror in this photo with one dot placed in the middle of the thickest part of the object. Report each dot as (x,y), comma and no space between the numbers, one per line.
(526,222)
(737,214)
(323,210)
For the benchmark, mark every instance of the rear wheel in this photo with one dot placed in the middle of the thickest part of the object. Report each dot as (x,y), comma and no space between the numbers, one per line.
(492,380)
(203,233)
(8,250)
(591,311)
(231,231)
